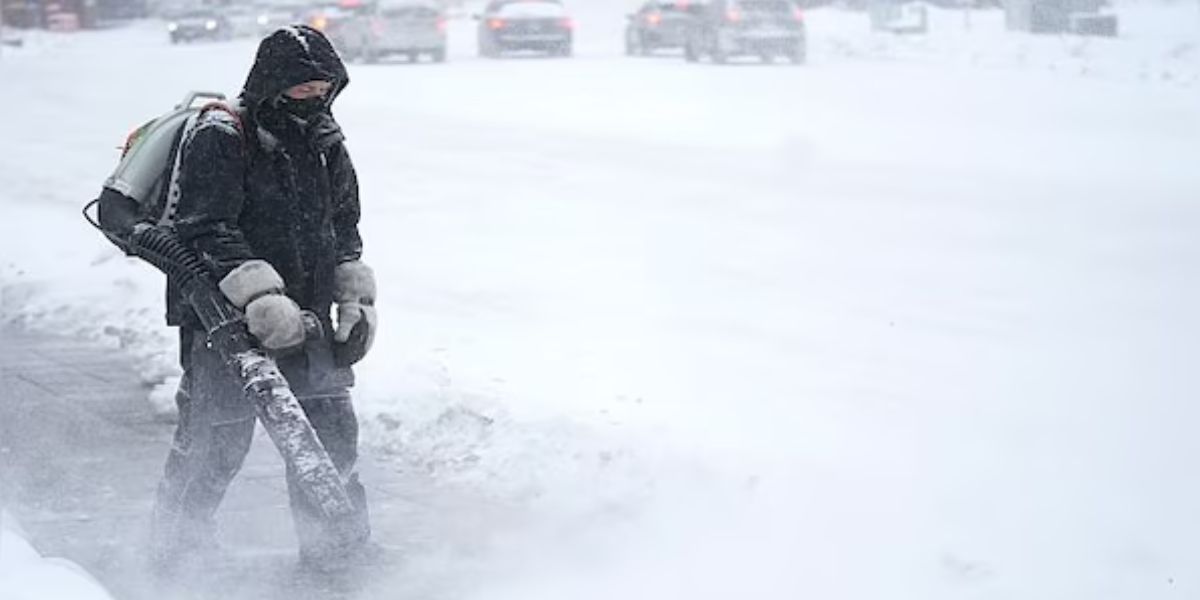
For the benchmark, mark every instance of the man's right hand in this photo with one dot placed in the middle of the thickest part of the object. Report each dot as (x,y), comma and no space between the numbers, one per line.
(273,318)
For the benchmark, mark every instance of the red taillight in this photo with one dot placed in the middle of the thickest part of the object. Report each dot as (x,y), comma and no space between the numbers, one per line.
(567,23)
(733,15)
(441,24)
(496,24)
(653,19)
(798,14)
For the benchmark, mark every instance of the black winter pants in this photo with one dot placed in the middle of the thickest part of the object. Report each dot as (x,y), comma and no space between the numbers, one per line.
(216,426)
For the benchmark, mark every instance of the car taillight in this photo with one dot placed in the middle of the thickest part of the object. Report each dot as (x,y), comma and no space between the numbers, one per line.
(733,15)
(566,23)
(441,24)
(653,19)
(798,14)
(496,24)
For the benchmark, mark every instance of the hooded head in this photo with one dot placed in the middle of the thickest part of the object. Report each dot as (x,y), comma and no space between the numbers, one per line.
(289,57)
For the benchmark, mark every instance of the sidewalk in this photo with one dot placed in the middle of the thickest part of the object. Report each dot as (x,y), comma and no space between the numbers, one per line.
(80,456)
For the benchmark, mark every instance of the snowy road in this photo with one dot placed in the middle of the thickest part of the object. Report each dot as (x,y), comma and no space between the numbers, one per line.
(879,327)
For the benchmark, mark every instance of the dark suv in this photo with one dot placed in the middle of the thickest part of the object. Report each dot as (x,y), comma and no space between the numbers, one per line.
(541,25)
(764,28)
(198,24)
(659,24)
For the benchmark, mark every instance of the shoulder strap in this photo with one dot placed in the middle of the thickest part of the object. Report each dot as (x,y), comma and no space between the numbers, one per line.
(171,206)
(232,111)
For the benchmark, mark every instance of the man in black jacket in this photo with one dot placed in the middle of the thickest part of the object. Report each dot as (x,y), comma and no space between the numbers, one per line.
(268,198)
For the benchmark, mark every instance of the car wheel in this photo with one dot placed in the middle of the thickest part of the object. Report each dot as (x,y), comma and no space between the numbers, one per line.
(644,49)
(798,55)
(690,53)
(767,58)
(413,56)
(369,56)
(438,55)
(563,50)
(718,56)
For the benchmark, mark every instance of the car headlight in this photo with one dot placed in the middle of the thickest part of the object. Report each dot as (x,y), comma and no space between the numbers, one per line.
(172,27)
(210,25)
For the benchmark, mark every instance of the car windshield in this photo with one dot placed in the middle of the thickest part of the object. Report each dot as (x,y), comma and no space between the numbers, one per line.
(531,9)
(408,11)
(766,6)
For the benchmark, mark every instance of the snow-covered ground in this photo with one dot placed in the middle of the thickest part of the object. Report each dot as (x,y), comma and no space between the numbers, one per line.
(913,321)
(27,575)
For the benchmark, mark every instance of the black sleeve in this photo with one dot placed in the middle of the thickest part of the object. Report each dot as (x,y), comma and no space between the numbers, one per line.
(346,210)
(212,191)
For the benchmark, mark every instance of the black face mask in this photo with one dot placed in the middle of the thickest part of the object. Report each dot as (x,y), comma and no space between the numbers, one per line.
(301,109)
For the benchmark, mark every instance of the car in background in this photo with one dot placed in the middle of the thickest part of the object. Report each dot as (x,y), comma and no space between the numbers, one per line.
(660,25)
(513,25)
(410,28)
(331,18)
(767,29)
(198,24)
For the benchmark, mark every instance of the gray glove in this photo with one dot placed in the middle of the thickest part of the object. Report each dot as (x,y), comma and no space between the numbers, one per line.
(354,292)
(272,317)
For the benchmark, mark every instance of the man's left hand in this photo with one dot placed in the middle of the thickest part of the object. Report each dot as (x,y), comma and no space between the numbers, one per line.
(354,292)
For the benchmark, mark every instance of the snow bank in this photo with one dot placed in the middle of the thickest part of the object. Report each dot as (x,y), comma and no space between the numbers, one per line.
(27,575)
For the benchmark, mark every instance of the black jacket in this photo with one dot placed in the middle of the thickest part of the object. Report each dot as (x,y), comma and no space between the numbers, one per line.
(267,186)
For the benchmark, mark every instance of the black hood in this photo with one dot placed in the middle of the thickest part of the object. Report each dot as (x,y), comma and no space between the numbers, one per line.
(291,56)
